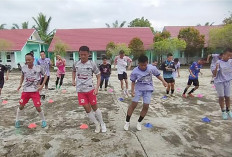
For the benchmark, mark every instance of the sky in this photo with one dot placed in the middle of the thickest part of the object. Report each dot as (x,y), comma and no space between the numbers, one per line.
(69,14)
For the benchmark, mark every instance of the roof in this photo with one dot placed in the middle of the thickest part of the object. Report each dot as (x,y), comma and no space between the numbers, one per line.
(16,37)
(97,39)
(204,30)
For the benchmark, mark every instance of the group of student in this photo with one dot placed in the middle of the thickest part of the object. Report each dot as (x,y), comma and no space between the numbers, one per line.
(36,75)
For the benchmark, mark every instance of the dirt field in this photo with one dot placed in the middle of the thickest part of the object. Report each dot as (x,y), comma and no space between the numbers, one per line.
(177,126)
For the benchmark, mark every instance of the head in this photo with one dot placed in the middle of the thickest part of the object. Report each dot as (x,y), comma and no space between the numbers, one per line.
(220,56)
(29,58)
(104,60)
(143,61)
(227,54)
(169,57)
(176,60)
(58,57)
(84,53)
(121,54)
(42,55)
(201,61)
(32,52)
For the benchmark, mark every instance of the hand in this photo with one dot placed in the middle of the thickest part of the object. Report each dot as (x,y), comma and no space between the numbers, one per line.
(133,94)
(95,91)
(7,78)
(40,87)
(19,87)
(193,76)
(73,83)
(165,84)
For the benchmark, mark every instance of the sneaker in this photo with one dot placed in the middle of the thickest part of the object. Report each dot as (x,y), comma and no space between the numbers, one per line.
(97,129)
(224,116)
(126,126)
(105,89)
(127,93)
(103,127)
(139,127)
(230,114)
(17,124)
(184,96)
(190,95)
(100,89)
(173,95)
(44,124)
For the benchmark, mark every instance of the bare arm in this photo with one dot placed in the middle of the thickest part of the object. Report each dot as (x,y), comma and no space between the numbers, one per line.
(129,67)
(215,71)
(7,74)
(73,78)
(191,73)
(162,80)
(133,89)
(98,84)
(207,61)
(21,82)
(45,79)
(178,72)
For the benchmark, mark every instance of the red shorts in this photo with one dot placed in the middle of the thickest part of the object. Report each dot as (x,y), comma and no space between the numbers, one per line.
(26,96)
(87,98)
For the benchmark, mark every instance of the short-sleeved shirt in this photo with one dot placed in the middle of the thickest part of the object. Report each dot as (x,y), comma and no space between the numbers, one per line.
(84,75)
(122,63)
(32,77)
(2,70)
(195,68)
(61,66)
(143,79)
(224,72)
(105,69)
(168,64)
(45,63)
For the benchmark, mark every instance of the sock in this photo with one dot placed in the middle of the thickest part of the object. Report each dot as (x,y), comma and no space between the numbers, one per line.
(59,86)
(42,115)
(92,118)
(140,119)
(18,114)
(99,115)
(172,91)
(191,91)
(128,118)
(227,109)
(167,92)
(223,110)
(185,90)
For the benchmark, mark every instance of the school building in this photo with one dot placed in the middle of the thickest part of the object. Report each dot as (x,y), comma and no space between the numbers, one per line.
(16,43)
(97,39)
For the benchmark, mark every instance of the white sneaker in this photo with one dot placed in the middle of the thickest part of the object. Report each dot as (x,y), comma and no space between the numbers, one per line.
(98,129)
(127,93)
(103,127)
(100,89)
(126,126)
(139,127)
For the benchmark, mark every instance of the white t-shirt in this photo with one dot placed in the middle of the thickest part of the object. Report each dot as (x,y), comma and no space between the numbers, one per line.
(121,63)
(174,73)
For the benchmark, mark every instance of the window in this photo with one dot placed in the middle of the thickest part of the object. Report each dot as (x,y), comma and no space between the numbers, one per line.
(8,57)
(71,56)
(100,54)
(90,56)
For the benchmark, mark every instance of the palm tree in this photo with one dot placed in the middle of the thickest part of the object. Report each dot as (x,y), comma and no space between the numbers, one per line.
(25,25)
(116,25)
(42,27)
(2,26)
(15,26)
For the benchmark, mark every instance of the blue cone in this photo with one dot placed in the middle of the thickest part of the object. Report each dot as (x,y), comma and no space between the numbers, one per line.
(120,99)
(148,125)
(206,119)
(164,97)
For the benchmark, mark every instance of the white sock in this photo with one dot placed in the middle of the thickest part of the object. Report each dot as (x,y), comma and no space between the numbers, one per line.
(99,115)
(42,115)
(92,117)
(18,114)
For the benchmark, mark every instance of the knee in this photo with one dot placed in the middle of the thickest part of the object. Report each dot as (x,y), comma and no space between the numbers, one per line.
(196,87)
(21,107)
(38,109)
(145,106)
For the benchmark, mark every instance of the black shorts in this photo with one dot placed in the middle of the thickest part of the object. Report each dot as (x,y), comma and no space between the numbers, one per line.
(195,82)
(1,83)
(122,76)
(169,80)
(46,83)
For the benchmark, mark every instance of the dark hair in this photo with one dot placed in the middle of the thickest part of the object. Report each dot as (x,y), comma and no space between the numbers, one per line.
(169,54)
(143,59)
(227,50)
(220,54)
(176,60)
(104,57)
(30,54)
(202,59)
(84,48)
(121,52)
(42,51)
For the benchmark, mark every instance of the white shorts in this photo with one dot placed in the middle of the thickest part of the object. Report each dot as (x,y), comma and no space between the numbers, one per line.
(223,88)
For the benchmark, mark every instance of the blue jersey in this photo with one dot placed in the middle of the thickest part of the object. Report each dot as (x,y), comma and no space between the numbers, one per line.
(195,68)
(171,66)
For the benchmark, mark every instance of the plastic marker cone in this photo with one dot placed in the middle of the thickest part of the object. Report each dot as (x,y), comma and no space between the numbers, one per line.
(84,126)
(32,125)
(4,102)
(50,101)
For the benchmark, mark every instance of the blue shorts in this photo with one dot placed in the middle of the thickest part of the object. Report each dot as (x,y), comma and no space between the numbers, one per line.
(223,88)
(145,94)
(104,78)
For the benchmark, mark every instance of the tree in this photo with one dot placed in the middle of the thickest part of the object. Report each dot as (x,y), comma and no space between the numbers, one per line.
(5,45)
(60,48)
(221,37)
(161,36)
(137,48)
(168,45)
(206,24)
(42,27)
(2,26)
(194,40)
(116,25)
(25,25)
(141,23)
(15,26)
(228,20)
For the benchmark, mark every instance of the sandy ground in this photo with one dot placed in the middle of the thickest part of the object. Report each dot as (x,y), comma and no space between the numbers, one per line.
(177,126)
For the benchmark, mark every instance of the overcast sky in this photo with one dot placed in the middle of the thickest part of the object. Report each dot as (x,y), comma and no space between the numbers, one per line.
(95,13)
